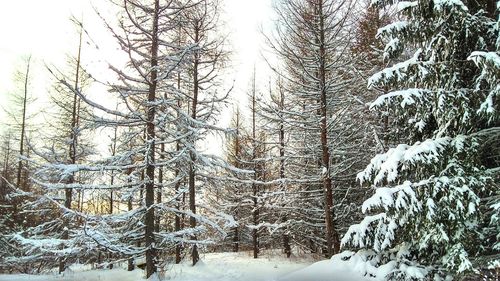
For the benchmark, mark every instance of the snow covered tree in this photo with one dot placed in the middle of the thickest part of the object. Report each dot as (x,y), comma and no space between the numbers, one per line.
(278,200)
(63,145)
(20,116)
(8,224)
(16,171)
(312,39)
(232,197)
(201,27)
(157,131)
(433,213)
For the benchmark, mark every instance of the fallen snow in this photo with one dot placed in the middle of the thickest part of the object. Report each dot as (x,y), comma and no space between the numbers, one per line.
(219,267)
(234,267)
(93,275)
(327,270)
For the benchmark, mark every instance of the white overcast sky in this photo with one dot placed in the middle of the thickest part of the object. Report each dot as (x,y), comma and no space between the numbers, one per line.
(42,28)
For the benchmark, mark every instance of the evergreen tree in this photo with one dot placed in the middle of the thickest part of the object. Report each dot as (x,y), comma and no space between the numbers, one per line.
(431,217)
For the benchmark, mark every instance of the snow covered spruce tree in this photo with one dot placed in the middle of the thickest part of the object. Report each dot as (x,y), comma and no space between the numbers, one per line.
(435,212)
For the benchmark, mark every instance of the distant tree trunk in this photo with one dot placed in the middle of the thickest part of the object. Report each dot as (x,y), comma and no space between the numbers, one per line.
(255,211)
(281,104)
(112,181)
(236,237)
(23,125)
(130,262)
(178,217)
(68,192)
(159,188)
(192,177)
(5,174)
(4,189)
(150,155)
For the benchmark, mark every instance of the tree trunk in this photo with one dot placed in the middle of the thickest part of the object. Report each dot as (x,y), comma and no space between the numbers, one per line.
(112,181)
(159,188)
(236,237)
(130,262)
(178,217)
(255,211)
(23,125)
(192,176)
(332,239)
(150,154)
(72,148)
(286,237)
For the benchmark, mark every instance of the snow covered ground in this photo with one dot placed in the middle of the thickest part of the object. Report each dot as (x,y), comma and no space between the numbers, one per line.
(218,267)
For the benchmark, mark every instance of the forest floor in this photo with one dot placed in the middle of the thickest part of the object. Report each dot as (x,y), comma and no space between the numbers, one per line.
(216,267)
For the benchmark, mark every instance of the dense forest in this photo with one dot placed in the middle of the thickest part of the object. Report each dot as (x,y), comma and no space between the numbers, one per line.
(375,138)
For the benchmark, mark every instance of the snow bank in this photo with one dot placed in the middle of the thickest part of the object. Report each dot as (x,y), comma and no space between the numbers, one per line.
(335,269)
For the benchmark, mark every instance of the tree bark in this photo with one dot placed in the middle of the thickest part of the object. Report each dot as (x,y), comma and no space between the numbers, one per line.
(332,239)
(150,154)
(72,148)
(286,237)
(23,126)
(159,188)
(192,176)
(255,211)
(236,237)
(130,262)
(178,227)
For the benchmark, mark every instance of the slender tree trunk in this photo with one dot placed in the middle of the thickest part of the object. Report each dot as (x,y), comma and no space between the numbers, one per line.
(150,154)
(5,180)
(5,176)
(112,181)
(332,239)
(192,176)
(286,237)
(178,217)
(159,188)
(236,237)
(72,149)
(23,124)
(130,262)
(255,211)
